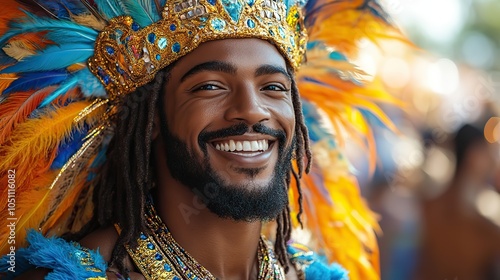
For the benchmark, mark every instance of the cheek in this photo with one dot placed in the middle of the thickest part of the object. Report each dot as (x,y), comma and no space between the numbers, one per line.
(285,116)
(187,119)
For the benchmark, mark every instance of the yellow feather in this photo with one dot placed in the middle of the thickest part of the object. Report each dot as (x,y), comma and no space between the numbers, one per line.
(25,200)
(31,150)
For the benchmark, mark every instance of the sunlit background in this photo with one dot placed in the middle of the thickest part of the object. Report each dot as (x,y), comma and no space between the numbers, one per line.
(451,78)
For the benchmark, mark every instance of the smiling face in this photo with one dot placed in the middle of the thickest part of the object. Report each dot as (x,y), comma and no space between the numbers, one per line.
(228,125)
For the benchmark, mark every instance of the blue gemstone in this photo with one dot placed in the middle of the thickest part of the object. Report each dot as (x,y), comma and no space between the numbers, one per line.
(250,23)
(271,32)
(106,79)
(151,246)
(151,37)
(250,2)
(292,41)
(173,27)
(143,237)
(162,43)
(135,26)
(282,32)
(212,2)
(121,72)
(158,57)
(110,50)
(233,8)
(167,267)
(158,257)
(176,47)
(176,278)
(218,24)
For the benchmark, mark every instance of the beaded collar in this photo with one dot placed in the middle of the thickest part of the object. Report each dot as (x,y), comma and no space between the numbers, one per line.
(158,256)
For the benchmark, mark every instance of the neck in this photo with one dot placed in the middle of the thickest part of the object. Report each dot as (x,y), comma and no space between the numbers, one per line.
(226,248)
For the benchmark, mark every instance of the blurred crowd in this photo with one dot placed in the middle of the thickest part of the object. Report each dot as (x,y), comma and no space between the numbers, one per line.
(437,183)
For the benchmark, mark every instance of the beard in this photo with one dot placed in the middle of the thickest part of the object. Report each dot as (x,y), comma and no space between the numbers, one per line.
(248,202)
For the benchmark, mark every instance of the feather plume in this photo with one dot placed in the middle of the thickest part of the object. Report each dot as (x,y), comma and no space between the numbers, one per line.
(36,80)
(53,58)
(143,11)
(6,80)
(18,50)
(11,9)
(32,24)
(32,146)
(24,203)
(89,20)
(63,89)
(110,8)
(17,108)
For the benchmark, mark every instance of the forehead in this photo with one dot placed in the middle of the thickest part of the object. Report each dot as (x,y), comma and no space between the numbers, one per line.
(244,54)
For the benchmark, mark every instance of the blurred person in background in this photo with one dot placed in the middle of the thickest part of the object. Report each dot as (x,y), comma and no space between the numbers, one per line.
(458,241)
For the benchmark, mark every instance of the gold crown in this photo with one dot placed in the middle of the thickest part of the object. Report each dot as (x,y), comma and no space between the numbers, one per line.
(128,56)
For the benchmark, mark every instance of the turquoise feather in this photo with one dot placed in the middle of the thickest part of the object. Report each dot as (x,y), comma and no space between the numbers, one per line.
(52,58)
(110,8)
(63,89)
(33,23)
(142,11)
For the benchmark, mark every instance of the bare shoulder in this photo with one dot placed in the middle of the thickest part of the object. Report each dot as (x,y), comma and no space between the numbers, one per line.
(103,240)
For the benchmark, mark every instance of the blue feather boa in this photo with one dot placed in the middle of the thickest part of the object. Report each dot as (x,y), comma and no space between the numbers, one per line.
(66,260)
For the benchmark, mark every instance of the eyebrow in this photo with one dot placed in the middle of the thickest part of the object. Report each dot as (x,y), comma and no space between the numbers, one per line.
(269,69)
(225,67)
(218,66)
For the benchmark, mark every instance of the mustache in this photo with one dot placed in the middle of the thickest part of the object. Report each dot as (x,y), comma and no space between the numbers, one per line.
(240,129)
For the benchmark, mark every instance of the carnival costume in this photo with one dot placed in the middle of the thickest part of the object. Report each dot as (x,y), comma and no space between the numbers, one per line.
(65,65)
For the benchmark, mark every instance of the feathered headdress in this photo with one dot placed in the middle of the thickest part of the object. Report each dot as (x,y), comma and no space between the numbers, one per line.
(65,63)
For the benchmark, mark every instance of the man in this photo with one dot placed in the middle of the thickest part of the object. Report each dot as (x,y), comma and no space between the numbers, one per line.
(177,148)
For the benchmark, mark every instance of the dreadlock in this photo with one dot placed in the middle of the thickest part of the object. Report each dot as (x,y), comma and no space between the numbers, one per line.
(302,149)
(127,177)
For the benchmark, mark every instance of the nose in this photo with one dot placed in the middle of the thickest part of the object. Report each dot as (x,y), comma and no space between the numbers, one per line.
(247,105)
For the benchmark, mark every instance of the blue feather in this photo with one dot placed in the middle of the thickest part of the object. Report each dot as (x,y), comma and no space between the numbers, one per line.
(68,147)
(33,23)
(36,80)
(63,89)
(5,59)
(52,58)
(142,11)
(61,8)
(61,37)
(110,8)
(90,85)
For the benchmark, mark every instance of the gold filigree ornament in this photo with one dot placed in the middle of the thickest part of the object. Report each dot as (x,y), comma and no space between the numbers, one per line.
(128,56)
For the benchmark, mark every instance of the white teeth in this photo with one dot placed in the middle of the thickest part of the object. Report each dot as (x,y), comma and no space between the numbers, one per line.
(255,146)
(246,146)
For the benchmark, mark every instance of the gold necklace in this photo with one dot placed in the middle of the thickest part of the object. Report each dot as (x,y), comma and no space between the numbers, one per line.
(158,256)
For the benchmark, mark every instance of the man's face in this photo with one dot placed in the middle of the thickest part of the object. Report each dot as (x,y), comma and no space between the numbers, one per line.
(229,125)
